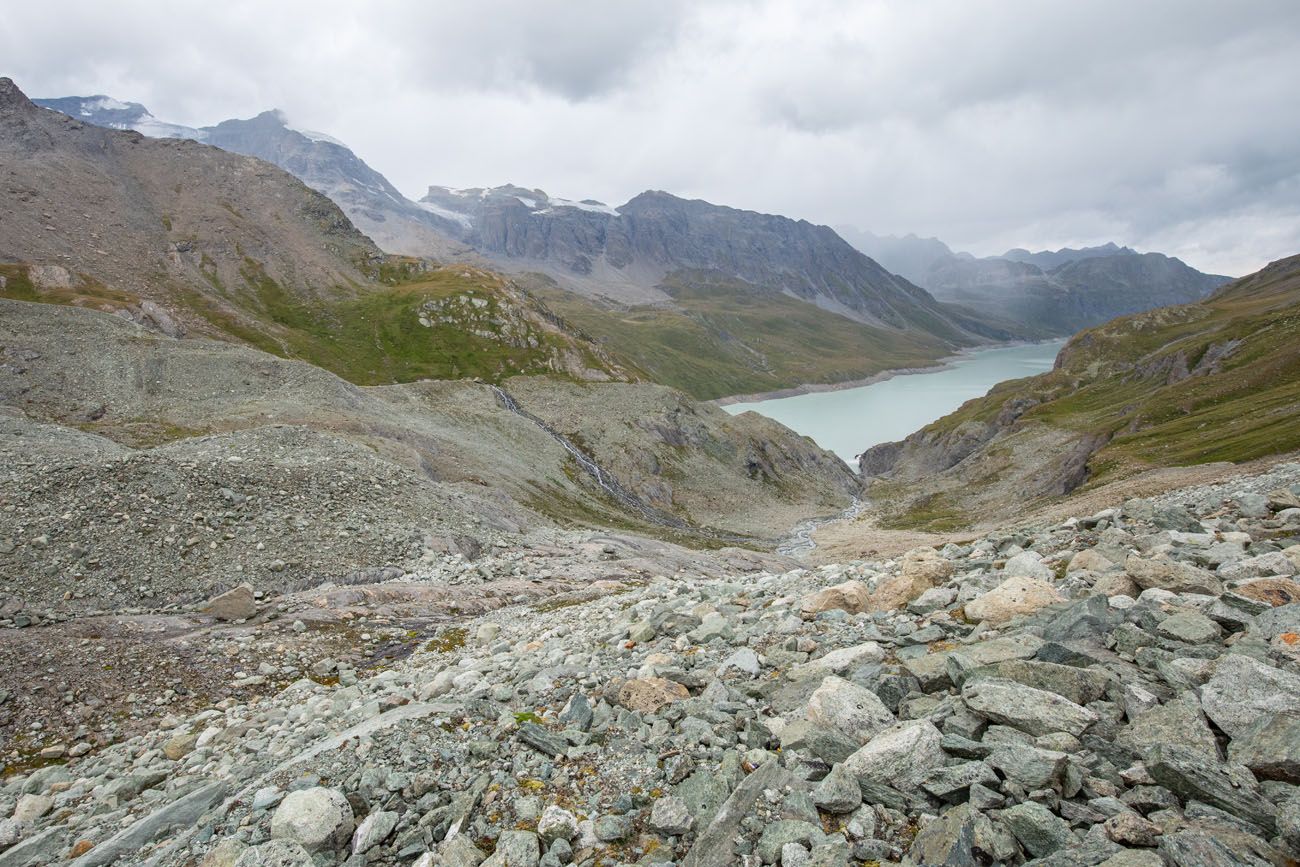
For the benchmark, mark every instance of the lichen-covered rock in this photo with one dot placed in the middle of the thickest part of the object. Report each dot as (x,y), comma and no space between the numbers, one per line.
(649,694)
(850,596)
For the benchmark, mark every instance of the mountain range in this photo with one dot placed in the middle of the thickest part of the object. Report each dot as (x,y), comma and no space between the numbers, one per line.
(148,285)
(714,300)
(1047,293)
(710,299)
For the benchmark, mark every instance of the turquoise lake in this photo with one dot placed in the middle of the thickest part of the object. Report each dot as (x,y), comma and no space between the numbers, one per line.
(852,420)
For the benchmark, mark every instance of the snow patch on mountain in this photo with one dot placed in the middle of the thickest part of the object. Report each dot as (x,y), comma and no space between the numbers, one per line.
(447,214)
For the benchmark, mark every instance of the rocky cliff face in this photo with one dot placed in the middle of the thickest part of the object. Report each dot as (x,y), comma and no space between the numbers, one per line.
(626,252)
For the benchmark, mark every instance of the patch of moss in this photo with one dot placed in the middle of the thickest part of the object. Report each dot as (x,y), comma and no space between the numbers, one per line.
(447,640)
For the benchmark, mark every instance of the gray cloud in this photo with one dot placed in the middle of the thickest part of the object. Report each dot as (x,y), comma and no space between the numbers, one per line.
(1164,124)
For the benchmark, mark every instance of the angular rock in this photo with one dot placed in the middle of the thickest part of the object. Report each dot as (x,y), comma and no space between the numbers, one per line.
(851,596)
(1130,829)
(1037,828)
(318,818)
(949,840)
(1014,597)
(932,669)
(515,849)
(1189,627)
(1273,592)
(842,660)
(922,569)
(557,823)
(649,694)
(373,830)
(1270,748)
(1243,689)
(838,792)
(1171,575)
(952,782)
(854,710)
(712,847)
(1190,775)
(1079,685)
(181,813)
(1035,711)
(238,603)
(542,740)
(1030,767)
(1178,722)
(276,853)
(900,756)
(670,815)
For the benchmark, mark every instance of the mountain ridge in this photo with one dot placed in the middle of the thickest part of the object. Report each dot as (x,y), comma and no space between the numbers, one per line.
(1215,380)
(1052,293)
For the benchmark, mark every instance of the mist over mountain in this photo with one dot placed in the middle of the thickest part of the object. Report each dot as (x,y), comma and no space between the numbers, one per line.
(1050,293)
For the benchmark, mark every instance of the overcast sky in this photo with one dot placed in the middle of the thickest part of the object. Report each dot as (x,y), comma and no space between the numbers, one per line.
(1170,126)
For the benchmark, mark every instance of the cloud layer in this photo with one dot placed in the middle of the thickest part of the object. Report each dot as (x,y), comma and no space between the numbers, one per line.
(1164,124)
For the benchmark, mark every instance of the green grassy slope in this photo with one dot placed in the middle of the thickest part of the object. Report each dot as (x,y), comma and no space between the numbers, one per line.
(448,323)
(1217,380)
(724,339)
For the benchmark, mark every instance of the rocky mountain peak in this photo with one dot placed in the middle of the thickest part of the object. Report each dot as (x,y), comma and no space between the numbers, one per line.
(12,98)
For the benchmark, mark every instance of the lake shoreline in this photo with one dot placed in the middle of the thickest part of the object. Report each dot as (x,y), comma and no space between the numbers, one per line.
(948,362)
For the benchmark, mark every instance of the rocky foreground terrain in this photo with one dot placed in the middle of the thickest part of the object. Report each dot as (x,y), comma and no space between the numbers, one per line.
(1121,688)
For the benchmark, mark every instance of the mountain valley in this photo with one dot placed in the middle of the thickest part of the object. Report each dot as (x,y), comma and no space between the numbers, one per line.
(342,529)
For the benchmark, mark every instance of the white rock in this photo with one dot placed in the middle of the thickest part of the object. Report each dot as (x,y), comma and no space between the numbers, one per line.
(317,818)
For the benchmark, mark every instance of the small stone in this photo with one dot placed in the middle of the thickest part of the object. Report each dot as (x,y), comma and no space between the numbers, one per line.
(239,603)
(557,823)
(838,792)
(373,830)
(649,694)
(1039,830)
(670,815)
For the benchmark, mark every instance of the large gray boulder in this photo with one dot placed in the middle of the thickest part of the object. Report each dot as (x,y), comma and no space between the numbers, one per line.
(854,710)
(1035,711)
(1192,776)
(1270,748)
(318,818)
(899,756)
(1243,689)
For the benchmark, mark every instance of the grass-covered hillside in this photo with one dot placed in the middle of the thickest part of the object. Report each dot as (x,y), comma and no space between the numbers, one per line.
(445,323)
(1214,381)
(721,338)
